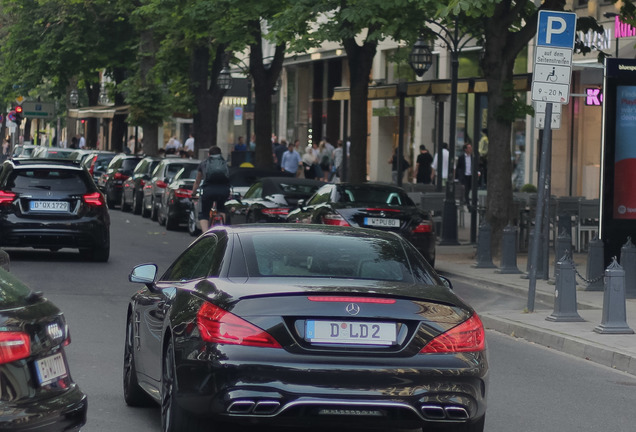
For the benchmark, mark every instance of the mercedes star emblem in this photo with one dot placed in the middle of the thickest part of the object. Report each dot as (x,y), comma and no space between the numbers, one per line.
(352,309)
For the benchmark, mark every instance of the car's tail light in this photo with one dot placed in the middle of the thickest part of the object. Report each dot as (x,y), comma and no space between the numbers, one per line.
(120,176)
(468,336)
(94,199)
(162,184)
(7,197)
(423,227)
(14,346)
(334,219)
(183,193)
(91,170)
(142,183)
(220,326)
(282,211)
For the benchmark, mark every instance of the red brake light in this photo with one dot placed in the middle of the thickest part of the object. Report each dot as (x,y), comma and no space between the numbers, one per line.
(468,336)
(423,227)
(183,193)
(120,176)
(6,197)
(162,184)
(283,211)
(334,219)
(351,299)
(220,326)
(14,346)
(95,199)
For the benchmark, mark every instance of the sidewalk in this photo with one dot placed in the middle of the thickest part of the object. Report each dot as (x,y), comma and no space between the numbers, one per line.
(575,338)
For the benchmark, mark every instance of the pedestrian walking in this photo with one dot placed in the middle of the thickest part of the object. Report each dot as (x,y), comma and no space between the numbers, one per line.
(465,170)
(404,165)
(423,166)
(291,161)
(483,157)
(444,165)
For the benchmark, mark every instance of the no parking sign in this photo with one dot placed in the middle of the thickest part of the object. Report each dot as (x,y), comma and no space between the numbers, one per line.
(238,116)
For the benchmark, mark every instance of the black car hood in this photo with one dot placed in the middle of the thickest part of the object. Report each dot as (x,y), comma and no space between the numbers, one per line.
(264,287)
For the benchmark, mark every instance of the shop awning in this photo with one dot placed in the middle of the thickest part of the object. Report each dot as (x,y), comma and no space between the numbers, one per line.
(435,87)
(99,111)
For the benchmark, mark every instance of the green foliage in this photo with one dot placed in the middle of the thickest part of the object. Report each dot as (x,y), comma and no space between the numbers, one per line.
(529,188)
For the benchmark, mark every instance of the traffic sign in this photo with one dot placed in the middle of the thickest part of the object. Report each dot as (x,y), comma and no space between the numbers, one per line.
(539,120)
(556,29)
(42,110)
(539,107)
(553,57)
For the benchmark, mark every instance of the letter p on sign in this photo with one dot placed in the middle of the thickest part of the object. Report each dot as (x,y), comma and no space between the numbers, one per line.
(556,29)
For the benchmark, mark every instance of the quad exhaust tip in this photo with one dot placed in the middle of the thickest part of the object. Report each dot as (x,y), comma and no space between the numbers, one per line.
(245,407)
(439,412)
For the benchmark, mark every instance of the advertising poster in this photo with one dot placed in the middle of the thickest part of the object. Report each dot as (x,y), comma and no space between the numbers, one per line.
(625,153)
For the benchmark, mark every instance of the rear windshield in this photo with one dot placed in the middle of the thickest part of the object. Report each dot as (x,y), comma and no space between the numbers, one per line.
(129,164)
(12,291)
(59,154)
(61,180)
(333,256)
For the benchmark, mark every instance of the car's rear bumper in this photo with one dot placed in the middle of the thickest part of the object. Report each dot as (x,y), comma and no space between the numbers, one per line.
(404,392)
(47,234)
(63,412)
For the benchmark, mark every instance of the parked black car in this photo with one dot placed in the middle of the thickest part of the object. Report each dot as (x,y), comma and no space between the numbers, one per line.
(378,206)
(132,189)
(97,162)
(48,204)
(269,200)
(37,392)
(119,169)
(304,326)
(161,177)
(176,202)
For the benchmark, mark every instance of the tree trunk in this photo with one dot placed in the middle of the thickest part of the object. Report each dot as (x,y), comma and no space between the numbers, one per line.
(118,136)
(265,76)
(147,50)
(360,60)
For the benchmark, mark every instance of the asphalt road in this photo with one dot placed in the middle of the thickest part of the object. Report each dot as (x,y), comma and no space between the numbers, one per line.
(531,388)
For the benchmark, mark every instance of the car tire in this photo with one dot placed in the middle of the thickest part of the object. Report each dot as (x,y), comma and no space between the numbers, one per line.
(110,202)
(137,200)
(192,225)
(144,211)
(171,223)
(133,393)
(154,212)
(100,253)
(160,217)
(124,207)
(173,417)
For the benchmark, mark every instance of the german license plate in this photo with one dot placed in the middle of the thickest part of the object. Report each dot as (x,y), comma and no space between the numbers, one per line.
(351,332)
(49,206)
(50,368)
(381,222)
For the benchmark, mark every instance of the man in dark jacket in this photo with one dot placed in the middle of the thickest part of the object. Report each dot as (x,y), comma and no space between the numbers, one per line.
(465,170)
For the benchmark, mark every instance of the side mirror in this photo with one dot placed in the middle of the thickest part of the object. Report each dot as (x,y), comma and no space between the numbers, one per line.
(144,273)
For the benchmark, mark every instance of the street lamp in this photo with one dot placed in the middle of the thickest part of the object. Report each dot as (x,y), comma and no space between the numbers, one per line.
(454,42)
(224,80)
(421,57)
(73,97)
(614,15)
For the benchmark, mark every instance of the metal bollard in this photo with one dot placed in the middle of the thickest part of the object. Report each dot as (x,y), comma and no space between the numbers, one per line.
(628,263)
(595,265)
(484,254)
(614,320)
(509,251)
(562,246)
(565,292)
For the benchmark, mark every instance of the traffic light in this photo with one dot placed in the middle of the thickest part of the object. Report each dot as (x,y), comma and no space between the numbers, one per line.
(18,113)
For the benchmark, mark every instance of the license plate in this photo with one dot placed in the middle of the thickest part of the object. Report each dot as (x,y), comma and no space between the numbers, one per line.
(351,332)
(49,206)
(50,368)
(382,222)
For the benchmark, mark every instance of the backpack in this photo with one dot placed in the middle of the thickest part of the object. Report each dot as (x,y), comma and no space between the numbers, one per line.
(216,170)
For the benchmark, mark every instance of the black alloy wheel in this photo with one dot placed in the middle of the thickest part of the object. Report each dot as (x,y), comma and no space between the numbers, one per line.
(173,417)
(133,393)
(154,211)
(171,223)
(145,212)
(192,224)
(124,207)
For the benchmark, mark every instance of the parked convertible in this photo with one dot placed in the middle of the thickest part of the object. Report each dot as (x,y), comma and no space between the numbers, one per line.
(298,325)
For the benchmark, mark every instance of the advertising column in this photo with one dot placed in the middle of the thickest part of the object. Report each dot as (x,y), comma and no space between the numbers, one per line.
(618,167)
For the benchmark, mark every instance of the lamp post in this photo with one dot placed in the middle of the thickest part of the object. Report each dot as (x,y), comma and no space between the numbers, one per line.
(454,42)
(420,60)
(615,16)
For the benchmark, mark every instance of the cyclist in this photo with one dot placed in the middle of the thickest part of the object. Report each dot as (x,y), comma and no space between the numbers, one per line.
(214,177)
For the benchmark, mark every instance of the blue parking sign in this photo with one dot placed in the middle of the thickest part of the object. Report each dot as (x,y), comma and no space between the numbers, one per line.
(556,29)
